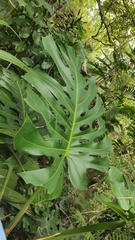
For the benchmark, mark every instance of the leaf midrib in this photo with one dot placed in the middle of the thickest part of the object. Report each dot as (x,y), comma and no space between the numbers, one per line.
(76,105)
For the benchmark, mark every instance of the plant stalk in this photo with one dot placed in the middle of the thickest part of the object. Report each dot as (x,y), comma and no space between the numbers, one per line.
(6,182)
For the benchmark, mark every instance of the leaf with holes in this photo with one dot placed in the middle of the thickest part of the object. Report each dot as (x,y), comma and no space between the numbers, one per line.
(72,113)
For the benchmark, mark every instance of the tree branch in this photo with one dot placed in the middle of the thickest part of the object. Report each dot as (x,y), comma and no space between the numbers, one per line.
(101,13)
(105,44)
(98,31)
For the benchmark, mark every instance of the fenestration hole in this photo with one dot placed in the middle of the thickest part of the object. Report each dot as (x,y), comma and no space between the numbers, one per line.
(65,110)
(67,94)
(82,114)
(84,127)
(61,126)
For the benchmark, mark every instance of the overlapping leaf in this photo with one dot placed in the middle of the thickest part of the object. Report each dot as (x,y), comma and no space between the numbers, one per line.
(72,114)
(12,105)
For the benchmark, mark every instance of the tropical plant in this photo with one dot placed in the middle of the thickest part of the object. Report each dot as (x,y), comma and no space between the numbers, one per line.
(124,205)
(31,21)
(72,129)
(54,119)
(71,111)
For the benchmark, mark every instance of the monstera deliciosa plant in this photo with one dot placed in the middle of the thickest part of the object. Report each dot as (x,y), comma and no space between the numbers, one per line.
(71,109)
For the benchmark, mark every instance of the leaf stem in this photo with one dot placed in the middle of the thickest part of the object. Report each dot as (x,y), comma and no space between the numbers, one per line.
(5,182)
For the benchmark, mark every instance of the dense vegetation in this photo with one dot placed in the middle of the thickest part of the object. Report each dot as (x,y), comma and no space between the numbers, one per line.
(67,71)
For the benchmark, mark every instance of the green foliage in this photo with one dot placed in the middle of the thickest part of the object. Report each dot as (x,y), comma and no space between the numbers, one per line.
(22,27)
(115,25)
(32,20)
(12,105)
(72,116)
(115,81)
(50,120)
(124,191)
(88,228)
(70,131)
(71,107)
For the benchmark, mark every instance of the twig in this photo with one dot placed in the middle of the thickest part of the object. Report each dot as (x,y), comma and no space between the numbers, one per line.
(97,31)
(105,44)
(101,13)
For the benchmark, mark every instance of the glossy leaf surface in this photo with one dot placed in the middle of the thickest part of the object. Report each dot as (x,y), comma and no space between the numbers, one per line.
(71,111)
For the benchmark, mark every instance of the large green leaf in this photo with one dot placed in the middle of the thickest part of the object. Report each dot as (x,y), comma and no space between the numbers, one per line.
(72,113)
(71,110)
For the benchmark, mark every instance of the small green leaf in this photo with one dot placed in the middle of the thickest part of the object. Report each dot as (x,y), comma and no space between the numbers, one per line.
(45,5)
(20,46)
(121,192)
(28,61)
(113,205)
(2,22)
(131,188)
(25,32)
(30,9)
(22,3)
(46,65)
(36,37)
